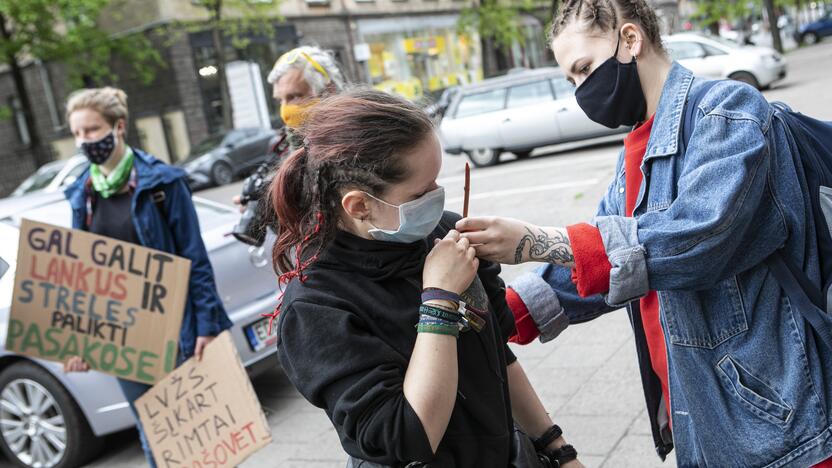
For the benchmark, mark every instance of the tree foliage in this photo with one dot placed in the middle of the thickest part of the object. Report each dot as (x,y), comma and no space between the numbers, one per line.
(68,31)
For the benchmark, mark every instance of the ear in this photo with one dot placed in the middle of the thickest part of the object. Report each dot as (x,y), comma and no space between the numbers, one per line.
(356,204)
(632,38)
(121,127)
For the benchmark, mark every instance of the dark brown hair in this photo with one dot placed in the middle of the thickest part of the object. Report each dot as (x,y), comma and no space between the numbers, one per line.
(608,15)
(353,140)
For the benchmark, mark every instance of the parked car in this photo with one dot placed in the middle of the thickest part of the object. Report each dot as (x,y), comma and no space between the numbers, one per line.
(49,418)
(518,113)
(53,176)
(220,159)
(715,57)
(813,32)
(436,110)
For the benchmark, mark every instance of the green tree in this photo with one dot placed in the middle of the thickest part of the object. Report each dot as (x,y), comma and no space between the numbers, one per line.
(235,20)
(499,21)
(65,31)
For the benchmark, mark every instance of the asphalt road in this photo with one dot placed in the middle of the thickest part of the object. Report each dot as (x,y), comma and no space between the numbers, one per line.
(587,378)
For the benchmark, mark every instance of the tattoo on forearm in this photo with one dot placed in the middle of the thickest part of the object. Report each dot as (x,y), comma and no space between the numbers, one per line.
(541,247)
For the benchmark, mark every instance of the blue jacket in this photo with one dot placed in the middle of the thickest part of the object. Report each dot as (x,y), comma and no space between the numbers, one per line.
(179,234)
(749,383)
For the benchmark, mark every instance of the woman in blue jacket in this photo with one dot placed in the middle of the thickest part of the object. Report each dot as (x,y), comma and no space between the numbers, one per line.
(131,196)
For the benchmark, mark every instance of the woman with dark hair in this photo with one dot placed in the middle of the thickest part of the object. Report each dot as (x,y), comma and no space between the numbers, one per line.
(389,322)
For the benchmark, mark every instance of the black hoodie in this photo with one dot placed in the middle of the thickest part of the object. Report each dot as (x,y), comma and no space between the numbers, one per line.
(346,335)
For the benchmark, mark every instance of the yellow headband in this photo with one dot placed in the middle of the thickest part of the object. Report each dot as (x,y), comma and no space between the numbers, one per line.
(293,55)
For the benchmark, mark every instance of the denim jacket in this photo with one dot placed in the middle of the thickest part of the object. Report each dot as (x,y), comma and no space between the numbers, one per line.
(749,383)
(179,234)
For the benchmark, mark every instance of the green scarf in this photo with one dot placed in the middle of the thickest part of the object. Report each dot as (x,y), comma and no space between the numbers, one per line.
(106,186)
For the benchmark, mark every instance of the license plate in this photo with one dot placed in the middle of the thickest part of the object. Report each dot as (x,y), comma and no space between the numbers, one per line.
(258,335)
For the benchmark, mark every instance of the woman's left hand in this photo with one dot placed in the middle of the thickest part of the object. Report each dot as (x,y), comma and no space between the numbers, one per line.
(201,343)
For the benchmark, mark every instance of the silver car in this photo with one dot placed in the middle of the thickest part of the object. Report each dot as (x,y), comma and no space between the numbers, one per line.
(49,418)
(517,112)
(714,57)
(53,176)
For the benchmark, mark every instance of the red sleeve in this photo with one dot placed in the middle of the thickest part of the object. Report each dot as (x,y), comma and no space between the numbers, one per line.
(525,330)
(591,274)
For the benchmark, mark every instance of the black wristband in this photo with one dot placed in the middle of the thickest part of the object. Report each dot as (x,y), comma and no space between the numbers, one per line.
(562,455)
(551,434)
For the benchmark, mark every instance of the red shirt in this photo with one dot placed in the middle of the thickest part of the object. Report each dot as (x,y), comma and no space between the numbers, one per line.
(592,268)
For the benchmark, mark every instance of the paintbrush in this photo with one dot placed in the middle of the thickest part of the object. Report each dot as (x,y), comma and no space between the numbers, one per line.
(467,190)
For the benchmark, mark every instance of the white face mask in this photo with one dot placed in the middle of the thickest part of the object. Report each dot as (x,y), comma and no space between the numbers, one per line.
(417,218)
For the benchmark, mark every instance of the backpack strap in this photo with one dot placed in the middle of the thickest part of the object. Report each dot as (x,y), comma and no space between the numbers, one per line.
(803,294)
(158,198)
(790,280)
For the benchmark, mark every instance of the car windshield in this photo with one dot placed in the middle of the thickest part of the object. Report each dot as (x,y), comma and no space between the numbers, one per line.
(205,146)
(39,180)
(725,42)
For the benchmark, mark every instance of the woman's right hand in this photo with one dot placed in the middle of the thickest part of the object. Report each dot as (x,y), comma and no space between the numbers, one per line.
(76,364)
(451,265)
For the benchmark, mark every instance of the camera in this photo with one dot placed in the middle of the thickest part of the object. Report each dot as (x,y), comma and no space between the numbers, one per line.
(251,228)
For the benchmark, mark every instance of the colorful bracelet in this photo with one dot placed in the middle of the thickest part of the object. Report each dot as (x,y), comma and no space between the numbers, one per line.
(450,330)
(428,320)
(440,313)
(440,294)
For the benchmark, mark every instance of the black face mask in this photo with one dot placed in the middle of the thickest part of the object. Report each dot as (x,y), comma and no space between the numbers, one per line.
(98,152)
(611,95)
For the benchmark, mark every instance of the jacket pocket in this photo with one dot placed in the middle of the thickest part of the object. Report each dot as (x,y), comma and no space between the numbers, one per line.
(753,393)
(704,319)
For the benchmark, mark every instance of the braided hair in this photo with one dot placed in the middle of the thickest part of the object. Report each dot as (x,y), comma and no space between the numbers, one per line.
(608,15)
(352,141)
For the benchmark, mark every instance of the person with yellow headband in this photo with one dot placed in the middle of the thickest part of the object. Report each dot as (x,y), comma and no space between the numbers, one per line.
(300,78)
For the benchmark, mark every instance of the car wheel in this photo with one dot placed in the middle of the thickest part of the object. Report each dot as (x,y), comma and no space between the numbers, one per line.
(745,77)
(522,154)
(484,157)
(40,424)
(810,38)
(221,173)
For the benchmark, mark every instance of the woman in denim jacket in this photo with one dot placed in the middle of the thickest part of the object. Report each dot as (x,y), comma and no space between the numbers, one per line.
(733,376)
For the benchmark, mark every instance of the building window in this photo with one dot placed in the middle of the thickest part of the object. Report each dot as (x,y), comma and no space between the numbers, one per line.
(19,121)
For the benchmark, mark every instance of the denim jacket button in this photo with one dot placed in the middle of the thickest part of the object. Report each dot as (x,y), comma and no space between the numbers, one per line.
(621,190)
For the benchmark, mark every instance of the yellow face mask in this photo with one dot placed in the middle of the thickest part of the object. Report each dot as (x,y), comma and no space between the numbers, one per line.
(294,115)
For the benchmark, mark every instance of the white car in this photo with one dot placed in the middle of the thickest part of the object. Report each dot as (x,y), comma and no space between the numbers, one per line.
(517,112)
(53,176)
(715,57)
(49,418)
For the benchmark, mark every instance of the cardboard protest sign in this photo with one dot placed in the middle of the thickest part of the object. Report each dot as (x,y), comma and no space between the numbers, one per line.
(204,414)
(117,305)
